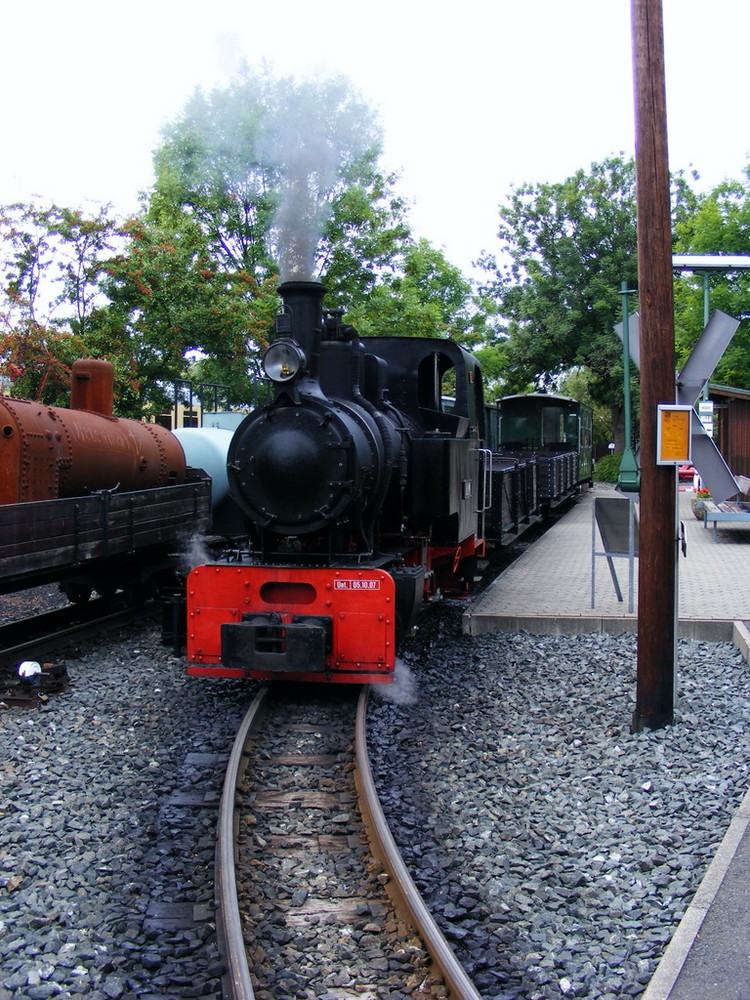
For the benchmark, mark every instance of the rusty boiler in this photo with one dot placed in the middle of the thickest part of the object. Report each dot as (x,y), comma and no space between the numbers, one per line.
(47,452)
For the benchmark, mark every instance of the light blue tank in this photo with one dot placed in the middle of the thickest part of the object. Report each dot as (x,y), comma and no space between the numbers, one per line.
(206,448)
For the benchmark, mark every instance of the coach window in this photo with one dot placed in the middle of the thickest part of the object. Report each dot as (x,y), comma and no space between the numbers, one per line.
(572,428)
(552,426)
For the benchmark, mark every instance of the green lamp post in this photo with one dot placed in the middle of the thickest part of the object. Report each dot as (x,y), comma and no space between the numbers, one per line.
(629,476)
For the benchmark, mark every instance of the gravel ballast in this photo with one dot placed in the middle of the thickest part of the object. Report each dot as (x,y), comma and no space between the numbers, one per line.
(104,864)
(558,850)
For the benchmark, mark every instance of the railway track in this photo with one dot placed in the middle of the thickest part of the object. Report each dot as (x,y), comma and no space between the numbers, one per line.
(35,636)
(303,902)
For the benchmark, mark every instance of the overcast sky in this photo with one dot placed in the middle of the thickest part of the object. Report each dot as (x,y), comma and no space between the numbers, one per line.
(474,96)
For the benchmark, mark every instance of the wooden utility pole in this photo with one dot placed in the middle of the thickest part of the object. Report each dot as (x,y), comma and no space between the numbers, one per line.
(657,585)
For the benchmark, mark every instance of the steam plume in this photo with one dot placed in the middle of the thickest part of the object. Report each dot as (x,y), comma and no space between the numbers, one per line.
(320,131)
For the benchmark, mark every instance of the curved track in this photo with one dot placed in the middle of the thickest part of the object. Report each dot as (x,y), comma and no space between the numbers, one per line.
(401,885)
(332,905)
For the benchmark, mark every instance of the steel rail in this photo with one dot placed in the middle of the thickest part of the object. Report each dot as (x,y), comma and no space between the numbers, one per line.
(236,979)
(384,848)
(91,625)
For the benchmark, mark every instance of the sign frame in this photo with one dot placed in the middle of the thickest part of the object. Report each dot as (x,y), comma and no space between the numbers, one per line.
(673,434)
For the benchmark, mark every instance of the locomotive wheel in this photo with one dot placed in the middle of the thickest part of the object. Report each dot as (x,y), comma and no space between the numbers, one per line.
(77,593)
(106,592)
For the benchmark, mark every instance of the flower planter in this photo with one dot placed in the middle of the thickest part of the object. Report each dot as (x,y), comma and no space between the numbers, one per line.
(697,507)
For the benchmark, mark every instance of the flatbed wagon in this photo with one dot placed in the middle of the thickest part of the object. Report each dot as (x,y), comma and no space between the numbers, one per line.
(104,541)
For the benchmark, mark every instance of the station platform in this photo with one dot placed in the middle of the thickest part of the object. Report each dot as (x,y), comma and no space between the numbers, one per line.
(548,590)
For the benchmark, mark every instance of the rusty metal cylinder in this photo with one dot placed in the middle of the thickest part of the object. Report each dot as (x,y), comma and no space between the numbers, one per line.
(48,452)
(92,386)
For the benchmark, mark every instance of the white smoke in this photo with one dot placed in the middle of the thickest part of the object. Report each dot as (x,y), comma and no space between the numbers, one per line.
(300,220)
(194,553)
(281,152)
(319,131)
(403,688)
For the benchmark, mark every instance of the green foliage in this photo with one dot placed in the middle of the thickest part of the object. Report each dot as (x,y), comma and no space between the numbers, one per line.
(607,469)
(51,263)
(273,176)
(266,177)
(577,383)
(37,361)
(565,250)
(169,301)
(720,224)
(425,297)
(282,176)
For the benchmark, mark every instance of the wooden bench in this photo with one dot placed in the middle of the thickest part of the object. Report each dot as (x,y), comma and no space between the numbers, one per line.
(728,510)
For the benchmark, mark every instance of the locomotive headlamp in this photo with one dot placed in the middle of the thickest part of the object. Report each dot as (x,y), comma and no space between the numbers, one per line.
(283,360)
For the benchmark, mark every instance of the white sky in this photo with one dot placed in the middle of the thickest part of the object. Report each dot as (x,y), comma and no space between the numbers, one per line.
(474,96)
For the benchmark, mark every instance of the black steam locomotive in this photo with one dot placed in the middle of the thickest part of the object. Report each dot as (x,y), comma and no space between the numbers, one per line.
(370,485)
(363,484)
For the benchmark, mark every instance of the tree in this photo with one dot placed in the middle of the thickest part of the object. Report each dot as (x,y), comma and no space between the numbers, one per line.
(424,296)
(565,250)
(282,177)
(171,304)
(720,224)
(575,383)
(264,178)
(51,261)
(36,362)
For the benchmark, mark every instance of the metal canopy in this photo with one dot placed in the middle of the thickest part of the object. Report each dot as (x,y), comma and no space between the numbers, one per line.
(710,262)
(705,356)
(707,458)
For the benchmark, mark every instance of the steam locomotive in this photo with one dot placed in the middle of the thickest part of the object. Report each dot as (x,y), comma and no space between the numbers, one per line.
(363,484)
(369,485)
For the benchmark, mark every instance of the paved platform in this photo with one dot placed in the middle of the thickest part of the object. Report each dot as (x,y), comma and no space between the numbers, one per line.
(547,590)
(708,957)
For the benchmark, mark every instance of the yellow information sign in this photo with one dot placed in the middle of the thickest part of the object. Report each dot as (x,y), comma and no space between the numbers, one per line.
(673,438)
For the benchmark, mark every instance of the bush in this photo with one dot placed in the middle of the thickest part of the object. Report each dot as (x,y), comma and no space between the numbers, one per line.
(607,468)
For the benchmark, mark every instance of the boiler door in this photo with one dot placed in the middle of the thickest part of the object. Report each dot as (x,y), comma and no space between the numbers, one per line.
(296,468)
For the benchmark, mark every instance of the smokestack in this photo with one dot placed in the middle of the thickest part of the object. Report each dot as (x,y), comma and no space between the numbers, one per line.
(302,318)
